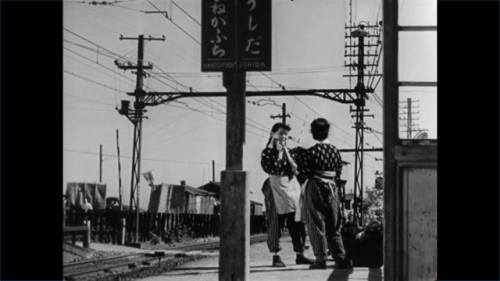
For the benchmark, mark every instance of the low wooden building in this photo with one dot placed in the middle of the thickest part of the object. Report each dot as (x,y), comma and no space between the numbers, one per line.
(171,198)
(214,187)
(76,192)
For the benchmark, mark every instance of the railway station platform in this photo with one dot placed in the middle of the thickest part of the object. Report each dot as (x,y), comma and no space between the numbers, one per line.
(260,268)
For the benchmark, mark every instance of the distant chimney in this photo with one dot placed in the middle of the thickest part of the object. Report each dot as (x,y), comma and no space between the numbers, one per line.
(183,182)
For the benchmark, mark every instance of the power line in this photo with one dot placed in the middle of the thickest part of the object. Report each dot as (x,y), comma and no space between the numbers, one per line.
(206,103)
(298,70)
(90,80)
(91,42)
(323,117)
(186,13)
(95,109)
(91,67)
(186,32)
(176,24)
(159,160)
(131,9)
(114,71)
(124,92)
(196,75)
(87,99)
(90,49)
(379,139)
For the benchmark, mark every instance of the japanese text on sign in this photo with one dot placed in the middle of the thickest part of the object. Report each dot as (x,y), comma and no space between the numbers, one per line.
(236,34)
(218,35)
(254,50)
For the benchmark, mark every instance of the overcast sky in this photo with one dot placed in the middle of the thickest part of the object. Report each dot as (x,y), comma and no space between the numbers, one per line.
(180,140)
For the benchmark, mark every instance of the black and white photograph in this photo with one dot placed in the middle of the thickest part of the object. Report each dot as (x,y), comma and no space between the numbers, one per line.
(226,140)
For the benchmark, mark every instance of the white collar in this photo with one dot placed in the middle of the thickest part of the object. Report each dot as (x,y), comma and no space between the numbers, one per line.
(324,141)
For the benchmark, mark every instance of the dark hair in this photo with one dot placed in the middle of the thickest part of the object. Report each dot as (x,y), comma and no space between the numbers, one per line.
(275,128)
(320,129)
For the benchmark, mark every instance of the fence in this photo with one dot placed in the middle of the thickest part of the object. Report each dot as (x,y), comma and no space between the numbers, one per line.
(106,226)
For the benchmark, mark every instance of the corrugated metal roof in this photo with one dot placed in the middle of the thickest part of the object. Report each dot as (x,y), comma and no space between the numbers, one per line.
(196,191)
(213,187)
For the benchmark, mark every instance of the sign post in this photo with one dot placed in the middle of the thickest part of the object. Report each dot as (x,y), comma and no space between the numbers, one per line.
(236,38)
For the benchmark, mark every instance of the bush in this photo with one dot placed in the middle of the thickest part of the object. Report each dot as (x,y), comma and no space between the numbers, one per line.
(180,234)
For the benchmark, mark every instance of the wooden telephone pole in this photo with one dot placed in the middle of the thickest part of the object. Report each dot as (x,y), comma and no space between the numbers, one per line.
(120,187)
(283,114)
(100,163)
(136,116)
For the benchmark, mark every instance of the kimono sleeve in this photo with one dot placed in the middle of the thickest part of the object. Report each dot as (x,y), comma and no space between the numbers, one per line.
(268,161)
(302,158)
(338,162)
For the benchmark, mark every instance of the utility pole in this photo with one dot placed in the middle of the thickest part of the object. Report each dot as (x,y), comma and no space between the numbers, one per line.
(359,115)
(100,163)
(136,116)
(120,187)
(283,114)
(361,95)
(213,170)
(409,118)
(235,192)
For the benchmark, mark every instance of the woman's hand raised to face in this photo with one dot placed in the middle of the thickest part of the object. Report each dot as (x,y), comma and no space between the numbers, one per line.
(279,145)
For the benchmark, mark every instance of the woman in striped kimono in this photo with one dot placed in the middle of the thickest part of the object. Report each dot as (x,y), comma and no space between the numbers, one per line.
(321,165)
(282,191)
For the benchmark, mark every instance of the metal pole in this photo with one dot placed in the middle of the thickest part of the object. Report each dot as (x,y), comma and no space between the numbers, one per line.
(213,170)
(284,113)
(139,109)
(100,163)
(361,85)
(408,122)
(120,187)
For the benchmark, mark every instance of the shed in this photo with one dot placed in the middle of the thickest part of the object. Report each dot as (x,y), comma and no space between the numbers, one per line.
(76,192)
(171,198)
(213,187)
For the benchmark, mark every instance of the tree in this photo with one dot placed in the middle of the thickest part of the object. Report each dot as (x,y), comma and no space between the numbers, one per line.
(375,201)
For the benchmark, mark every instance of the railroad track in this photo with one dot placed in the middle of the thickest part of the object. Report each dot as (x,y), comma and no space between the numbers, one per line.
(103,265)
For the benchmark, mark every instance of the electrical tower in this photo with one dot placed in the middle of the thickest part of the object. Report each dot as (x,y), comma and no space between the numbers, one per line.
(359,110)
(135,116)
(408,117)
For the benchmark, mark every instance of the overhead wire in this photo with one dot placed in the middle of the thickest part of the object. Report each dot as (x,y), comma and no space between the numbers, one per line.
(90,80)
(186,13)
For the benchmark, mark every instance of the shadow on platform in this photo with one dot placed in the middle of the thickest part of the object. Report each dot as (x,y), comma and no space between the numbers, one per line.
(374,274)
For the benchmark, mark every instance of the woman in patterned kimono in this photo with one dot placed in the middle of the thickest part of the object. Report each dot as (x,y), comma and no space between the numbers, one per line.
(321,165)
(282,191)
